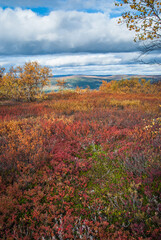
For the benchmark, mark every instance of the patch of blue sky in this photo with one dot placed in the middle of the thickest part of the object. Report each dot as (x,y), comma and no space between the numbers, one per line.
(5,7)
(115,14)
(45,11)
(42,11)
(92,10)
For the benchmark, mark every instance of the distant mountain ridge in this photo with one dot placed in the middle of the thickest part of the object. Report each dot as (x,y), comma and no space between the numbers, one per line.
(94,81)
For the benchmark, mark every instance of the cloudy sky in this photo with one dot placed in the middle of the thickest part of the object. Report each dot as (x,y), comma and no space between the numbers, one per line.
(71,37)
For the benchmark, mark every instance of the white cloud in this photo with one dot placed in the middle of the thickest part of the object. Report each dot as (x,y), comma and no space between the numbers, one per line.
(24,32)
(70,42)
(135,69)
(80,60)
(92,64)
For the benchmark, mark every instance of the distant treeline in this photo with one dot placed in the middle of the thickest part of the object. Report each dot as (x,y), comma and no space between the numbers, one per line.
(134,85)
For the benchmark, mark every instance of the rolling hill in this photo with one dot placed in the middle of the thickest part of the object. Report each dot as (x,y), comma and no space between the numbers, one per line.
(94,82)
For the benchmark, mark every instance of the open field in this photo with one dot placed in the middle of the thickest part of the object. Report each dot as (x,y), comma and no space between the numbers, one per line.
(81,166)
(80,120)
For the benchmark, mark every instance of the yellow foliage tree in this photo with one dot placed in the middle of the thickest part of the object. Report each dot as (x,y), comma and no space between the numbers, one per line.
(25,83)
(11,85)
(105,87)
(1,76)
(2,69)
(61,83)
(144,18)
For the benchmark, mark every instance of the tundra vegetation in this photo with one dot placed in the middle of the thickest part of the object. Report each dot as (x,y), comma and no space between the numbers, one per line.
(81,165)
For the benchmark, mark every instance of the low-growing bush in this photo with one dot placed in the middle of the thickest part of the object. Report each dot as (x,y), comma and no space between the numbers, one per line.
(77,167)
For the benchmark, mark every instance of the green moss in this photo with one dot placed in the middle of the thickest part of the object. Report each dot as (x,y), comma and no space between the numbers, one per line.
(22,200)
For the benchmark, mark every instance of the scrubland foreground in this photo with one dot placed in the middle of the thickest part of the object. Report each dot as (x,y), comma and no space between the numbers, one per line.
(81,166)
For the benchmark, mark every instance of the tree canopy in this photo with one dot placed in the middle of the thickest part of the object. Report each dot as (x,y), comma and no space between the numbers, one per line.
(24,83)
(144,17)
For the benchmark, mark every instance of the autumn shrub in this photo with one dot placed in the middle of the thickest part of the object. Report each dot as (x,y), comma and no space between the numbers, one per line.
(124,103)
(133,85)
(74,167)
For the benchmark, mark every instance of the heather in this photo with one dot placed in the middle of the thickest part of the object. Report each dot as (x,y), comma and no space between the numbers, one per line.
(82,165)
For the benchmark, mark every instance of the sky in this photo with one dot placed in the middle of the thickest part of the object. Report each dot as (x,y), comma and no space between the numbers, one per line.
(71,37)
